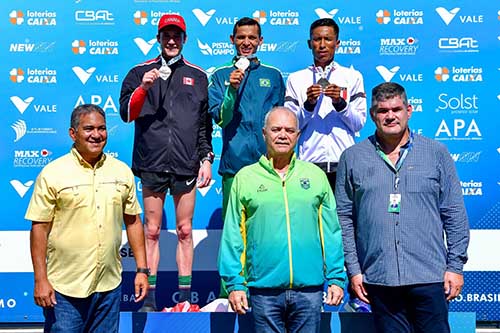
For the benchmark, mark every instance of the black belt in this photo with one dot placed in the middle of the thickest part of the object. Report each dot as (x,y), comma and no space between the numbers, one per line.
(328,167)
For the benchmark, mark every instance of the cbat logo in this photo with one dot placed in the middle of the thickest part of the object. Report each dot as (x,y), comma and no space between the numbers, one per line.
(260,16)
(33,17)
(442,74)
(16,17)
(144,46)
(16,75)
(383,16)
(324,14)
(387,74)
(19,128)
(94,17)
(202,16)
(447,15)
(83,74)
(454,44)
(140,17)
(21,188)
(21,104)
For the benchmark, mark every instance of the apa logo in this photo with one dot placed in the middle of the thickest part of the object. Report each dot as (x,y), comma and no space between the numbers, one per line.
(216,48)
(21,188)
(95,47)
(107,103)
(459,130)
(34,75)
(144,46)
(352,20)
(472,188)
(33,17)
(406,17)
(387,74)
(203,17)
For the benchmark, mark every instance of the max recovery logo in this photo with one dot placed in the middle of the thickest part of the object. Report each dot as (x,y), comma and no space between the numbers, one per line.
(83,74)
(447,15)
(202,16)
(387,74)
(144,46)
(21,188)
(21,104)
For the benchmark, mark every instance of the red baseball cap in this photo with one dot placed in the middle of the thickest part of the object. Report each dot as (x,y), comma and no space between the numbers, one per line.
(172,19)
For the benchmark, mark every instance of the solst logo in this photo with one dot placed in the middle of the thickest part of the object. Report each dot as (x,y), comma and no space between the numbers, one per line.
(398,46)
(95,47)
(33,75)
(406,17)
(458,104)
(277,17)
(94,17)
(216,48)
(455,44)
(458,129)
(33,17)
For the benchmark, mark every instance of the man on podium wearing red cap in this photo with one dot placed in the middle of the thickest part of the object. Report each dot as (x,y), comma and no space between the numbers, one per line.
(166,97)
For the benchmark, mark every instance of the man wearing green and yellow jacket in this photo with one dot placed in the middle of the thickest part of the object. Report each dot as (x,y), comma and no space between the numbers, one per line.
(281,239)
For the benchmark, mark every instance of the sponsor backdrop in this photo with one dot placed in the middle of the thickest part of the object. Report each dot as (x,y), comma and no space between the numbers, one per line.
(58,55)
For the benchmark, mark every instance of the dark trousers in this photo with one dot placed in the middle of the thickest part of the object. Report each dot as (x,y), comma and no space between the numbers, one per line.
(420,308)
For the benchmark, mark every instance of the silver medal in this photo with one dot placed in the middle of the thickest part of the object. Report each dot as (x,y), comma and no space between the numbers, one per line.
(165,72)
(242,63)
(323,83)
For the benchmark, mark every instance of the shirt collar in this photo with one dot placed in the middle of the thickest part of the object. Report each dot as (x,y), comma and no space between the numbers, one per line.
(78,157)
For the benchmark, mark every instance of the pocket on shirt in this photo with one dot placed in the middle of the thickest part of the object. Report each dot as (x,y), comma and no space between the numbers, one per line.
(119,193)
(72,197)
(418,182)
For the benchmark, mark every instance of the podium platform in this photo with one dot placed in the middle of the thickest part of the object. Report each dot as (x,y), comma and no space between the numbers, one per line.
(218,322)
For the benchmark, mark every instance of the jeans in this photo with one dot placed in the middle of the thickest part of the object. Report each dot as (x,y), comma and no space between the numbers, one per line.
(99,312)
(419,308)
(287,310)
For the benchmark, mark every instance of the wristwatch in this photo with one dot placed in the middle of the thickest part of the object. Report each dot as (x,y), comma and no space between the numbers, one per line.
(143,270)
(210,157)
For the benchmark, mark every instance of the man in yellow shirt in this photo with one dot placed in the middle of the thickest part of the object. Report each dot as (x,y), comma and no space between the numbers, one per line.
(78,206)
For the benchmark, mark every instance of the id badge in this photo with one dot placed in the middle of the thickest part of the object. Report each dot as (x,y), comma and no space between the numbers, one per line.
(394,203)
